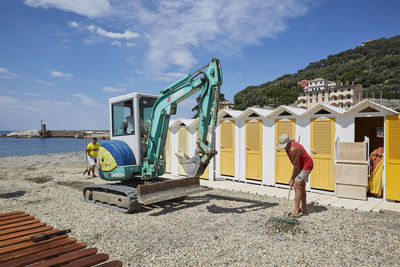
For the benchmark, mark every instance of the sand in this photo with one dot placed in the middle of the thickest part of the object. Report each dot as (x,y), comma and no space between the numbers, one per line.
(211,228)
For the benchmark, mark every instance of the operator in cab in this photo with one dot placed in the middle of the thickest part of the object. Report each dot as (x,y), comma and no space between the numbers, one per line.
(92,149)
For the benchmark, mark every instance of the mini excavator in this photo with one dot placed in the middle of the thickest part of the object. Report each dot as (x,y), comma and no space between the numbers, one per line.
(134,157)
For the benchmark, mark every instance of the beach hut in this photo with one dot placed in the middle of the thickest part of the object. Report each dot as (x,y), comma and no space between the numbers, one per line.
(324,124)
(173,147)
(185,135)
(253,139)
(287,120)
(208,172)
(168,150)
(227,144)
(382,126)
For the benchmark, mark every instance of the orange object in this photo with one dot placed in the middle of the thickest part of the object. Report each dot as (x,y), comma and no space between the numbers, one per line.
(375,157)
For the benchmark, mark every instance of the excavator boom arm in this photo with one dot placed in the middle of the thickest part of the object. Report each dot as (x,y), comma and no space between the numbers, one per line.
(208,82)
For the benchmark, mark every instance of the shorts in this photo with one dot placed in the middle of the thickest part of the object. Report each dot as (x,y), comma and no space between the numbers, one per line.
(92,160)
(303,175)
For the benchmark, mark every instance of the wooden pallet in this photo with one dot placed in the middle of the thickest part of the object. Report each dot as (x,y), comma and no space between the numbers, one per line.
(17,249)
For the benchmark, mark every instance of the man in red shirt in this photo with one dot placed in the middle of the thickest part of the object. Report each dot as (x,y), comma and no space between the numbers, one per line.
(302,166)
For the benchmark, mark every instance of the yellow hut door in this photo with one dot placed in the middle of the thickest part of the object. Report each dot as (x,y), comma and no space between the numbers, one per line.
(182,147)
(283,166)
(205,173)
(253,154)
(168,153)
(392,154)
(322,146)
(227,147)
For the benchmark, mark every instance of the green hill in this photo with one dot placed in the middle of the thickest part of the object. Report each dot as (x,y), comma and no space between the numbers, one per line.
(376,66)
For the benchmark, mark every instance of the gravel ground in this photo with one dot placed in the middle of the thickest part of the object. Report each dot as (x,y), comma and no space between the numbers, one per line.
(212,228)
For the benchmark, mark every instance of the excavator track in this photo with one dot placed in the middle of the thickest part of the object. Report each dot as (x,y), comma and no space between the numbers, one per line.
(129,197)
(121,196)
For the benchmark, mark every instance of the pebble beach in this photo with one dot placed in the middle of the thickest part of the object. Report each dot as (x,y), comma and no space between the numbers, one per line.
(211,228)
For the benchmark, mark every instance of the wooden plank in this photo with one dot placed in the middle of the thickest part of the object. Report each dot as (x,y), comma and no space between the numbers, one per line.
(111,264)
(48,256)
(13,216)
(39,248)
(26,218)
(26,232)
(26,244)
(65,259)
(17,240)
(12,225)
(10,213)
(89,261)
(21,228)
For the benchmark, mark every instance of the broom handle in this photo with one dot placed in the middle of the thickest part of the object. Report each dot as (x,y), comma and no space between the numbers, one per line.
(87,165)
(287,202)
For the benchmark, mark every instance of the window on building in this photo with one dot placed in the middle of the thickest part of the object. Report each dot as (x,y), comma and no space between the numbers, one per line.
(304,101)
(323,99)
(335,97)
(341,105)
(310,100)
(316,100)
(348,89)
(310,94)
(335,91)
(329,93)
(348,105)
(341,90)
(304,94)
(348,97)
(316,95)
(341,97)
(323,93)
(329,99)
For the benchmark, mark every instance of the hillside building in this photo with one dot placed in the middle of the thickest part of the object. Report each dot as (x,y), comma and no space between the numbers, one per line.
(322,91)
(225,105)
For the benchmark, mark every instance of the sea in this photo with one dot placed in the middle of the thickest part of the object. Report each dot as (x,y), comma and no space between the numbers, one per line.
(30,146)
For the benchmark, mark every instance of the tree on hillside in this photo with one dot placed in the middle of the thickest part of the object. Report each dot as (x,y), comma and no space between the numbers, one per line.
(279,95)
(376,63)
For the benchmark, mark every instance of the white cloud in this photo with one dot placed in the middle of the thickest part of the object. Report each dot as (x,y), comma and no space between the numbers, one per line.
(43,106)
(86,100)
(87,41)
(73,24)
(91,28)
(130,44)
(60,74)
(42,82)
(115,43)
(88,8)
(169,76)
(181,31)
(113,90)
(32,94)
(126,35)
(5,74)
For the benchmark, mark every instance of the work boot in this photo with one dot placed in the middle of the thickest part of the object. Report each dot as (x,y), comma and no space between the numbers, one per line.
(94,175)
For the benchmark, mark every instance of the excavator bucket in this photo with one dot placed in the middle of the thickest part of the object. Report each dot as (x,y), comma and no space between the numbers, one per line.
(166,190)
(192,166)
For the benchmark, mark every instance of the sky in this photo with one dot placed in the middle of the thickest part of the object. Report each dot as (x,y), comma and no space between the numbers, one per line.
(61,60)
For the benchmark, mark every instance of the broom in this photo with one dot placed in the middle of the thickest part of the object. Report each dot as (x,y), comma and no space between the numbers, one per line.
(87,170)
(284,217)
